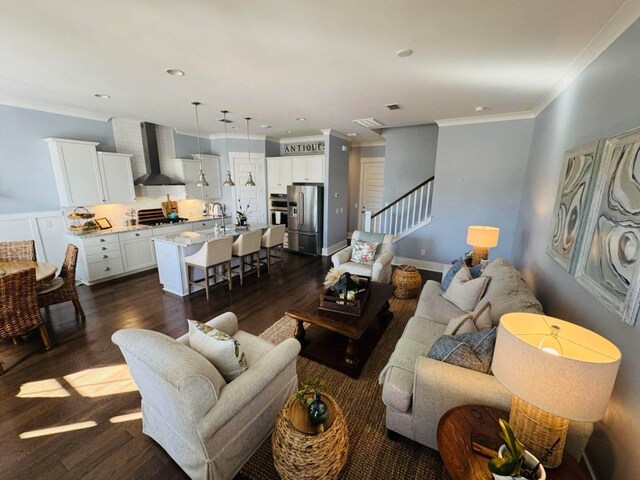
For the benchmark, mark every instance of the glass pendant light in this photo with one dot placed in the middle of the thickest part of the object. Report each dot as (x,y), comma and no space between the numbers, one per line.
(228,182)
(249,182)
(202,182)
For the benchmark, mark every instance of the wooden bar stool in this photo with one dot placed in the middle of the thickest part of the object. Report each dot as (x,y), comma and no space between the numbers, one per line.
(273,238)
(248,245)
(212,254)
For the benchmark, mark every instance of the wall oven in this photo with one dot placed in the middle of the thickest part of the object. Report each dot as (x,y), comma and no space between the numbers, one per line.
(278,209)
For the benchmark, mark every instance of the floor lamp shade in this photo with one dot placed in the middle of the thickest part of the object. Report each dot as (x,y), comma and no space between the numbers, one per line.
(557,371)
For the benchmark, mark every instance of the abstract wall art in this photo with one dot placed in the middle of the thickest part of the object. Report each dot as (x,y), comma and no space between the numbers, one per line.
(610,247)
(579,170)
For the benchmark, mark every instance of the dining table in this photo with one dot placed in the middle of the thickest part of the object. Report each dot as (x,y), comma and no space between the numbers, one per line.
(45,272)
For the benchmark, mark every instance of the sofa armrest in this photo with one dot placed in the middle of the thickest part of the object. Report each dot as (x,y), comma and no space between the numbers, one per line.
(237,394)
(226,322)
(343,256)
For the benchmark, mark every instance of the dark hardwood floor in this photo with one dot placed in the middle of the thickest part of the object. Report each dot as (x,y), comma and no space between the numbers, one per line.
(81,384)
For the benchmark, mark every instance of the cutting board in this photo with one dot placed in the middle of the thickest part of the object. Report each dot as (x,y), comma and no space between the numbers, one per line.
(169,206)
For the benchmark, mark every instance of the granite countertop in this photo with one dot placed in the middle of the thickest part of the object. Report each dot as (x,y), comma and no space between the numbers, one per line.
(193,238)
(121,229)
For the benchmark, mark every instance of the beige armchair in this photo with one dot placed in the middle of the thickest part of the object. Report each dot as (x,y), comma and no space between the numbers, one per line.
(210,428)
(380,271)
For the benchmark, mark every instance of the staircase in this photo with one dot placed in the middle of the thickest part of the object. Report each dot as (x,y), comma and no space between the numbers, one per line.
(404,215)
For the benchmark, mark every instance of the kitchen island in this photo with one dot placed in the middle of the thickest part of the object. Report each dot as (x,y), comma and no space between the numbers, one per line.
(171,250)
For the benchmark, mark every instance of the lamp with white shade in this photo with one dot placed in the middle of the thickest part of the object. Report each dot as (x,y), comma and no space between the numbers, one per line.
(481,238)
(557,371)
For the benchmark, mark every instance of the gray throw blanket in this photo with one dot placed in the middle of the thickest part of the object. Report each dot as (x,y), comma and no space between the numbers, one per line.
(404,356)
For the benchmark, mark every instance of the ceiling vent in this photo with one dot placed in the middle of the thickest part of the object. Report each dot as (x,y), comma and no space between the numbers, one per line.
(393,106)
(369,123)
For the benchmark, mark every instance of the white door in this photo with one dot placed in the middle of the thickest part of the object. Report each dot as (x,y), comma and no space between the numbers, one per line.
(254,197)
(371,187)
(117,179)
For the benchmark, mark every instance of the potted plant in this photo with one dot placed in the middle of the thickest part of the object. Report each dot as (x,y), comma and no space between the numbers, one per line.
(513,461)
(241,214)
(316,408)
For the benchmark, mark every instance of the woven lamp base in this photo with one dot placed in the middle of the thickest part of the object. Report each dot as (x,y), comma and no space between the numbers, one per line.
(479,253)
(538,430)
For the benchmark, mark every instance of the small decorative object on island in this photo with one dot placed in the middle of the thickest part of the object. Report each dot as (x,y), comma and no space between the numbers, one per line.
(309,396)
(241,215)
(345,293)
(513,461)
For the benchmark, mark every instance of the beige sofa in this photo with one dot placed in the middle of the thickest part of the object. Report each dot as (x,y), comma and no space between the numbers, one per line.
(209,427)
(417,390)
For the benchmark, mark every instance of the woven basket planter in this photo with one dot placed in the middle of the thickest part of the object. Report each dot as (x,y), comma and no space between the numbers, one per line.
(298,455)
(407,281)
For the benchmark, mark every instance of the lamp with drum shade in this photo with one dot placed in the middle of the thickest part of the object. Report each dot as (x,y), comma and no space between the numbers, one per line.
(481,238)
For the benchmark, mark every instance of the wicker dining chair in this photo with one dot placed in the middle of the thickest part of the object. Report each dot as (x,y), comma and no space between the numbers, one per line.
(63,287)
(22,251)
(19,312)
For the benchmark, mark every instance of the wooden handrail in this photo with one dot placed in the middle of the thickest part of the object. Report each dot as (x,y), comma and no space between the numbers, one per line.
(403,196)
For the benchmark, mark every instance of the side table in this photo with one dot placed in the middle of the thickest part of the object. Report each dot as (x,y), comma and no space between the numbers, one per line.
(303,451)
(407,281)
(461,426)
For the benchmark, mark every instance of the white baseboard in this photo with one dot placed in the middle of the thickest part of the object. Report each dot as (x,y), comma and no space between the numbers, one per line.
(334,248)
(421,264)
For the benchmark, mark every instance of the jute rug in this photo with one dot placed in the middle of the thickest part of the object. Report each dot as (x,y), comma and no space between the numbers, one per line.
(371,453)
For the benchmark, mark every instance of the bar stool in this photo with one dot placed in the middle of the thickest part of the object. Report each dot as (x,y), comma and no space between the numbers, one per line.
(248,245)
(212,254)
(273,238)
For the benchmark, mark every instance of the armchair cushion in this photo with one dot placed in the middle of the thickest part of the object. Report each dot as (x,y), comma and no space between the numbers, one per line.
(222,350)
(364,252)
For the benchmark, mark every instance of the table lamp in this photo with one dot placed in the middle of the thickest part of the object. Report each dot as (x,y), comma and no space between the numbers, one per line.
(557,371)
(481,238)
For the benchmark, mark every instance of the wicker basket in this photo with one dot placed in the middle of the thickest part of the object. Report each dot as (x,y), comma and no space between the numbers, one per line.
(301,456)
(407,281)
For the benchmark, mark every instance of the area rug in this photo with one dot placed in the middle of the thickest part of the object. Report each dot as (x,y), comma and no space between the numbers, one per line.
(371,453)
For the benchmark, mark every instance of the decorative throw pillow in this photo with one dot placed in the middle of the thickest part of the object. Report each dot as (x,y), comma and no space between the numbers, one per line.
(460,324)
(476,271)
(482,317)
(465,292)
(470,350)
(222,350)
(363,252)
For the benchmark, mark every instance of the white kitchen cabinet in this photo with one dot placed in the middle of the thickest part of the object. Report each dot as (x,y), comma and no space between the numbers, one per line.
(137,250)
(76,172)
(202,225)
(307,169)
(279,174)
(188,170)
(116,177)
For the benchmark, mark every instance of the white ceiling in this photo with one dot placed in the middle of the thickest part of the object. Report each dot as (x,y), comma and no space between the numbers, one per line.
(330,61)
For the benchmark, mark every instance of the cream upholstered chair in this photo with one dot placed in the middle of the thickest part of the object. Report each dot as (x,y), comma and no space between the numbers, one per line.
(273,238)
(212,254)
(248,245)
(209,427)
(380,271)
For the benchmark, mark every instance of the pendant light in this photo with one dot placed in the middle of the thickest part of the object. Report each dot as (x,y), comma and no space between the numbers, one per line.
(249,182)
(202,182)
(228,182)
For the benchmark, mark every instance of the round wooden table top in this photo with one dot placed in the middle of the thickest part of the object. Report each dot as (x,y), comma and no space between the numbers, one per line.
(462,426)
(44,271)
(299,417)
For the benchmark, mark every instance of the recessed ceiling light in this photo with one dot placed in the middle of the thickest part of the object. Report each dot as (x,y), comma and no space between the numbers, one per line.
(288,131)
(101,95)
(352,134)
(301,119)
(175,72)
(405,52)
(265,126)
(480,108)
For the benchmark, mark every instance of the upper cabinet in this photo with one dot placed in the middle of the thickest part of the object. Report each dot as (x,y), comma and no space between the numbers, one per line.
(188,170)
(307,169)
(279,174)
(87,177)
(117,178)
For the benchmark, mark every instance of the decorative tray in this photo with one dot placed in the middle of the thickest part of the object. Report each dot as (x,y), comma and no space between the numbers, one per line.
(331,302)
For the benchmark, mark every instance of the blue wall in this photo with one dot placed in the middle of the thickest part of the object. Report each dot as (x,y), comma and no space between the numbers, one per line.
(26,174)
(603,101)
(186,145)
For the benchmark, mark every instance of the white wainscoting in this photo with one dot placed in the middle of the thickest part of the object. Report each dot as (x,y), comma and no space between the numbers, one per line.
(421,264)
(47,229)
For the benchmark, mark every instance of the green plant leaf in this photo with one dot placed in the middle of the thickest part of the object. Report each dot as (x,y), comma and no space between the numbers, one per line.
(502,466)
(513,444)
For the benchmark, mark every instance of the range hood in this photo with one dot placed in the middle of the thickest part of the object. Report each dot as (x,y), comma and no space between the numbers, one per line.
(153,177)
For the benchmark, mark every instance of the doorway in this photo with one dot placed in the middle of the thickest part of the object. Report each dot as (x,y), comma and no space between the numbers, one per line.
(371,187)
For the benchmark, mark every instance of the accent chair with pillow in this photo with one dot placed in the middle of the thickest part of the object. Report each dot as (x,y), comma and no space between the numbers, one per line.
(424,377)
(356,259)
(208,426)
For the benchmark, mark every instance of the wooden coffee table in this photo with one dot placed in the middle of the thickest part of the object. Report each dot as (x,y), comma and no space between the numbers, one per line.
(343,342)
(461,426)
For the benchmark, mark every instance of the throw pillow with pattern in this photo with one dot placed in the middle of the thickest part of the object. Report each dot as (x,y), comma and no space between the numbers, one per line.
(222,350)
(475,271)
(363,252)
(470,350)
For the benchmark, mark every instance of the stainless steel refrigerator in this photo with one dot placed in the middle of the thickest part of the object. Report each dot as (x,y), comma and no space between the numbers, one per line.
(305,218)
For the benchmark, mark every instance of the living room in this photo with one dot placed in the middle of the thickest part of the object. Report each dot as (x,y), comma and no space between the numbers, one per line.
(494,115)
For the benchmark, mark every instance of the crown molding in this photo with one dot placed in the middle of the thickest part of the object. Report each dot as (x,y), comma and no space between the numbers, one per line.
(626,15)
(239,136)
(498,117)
(311,138)
(372,143)
(45,107)
(335,133)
